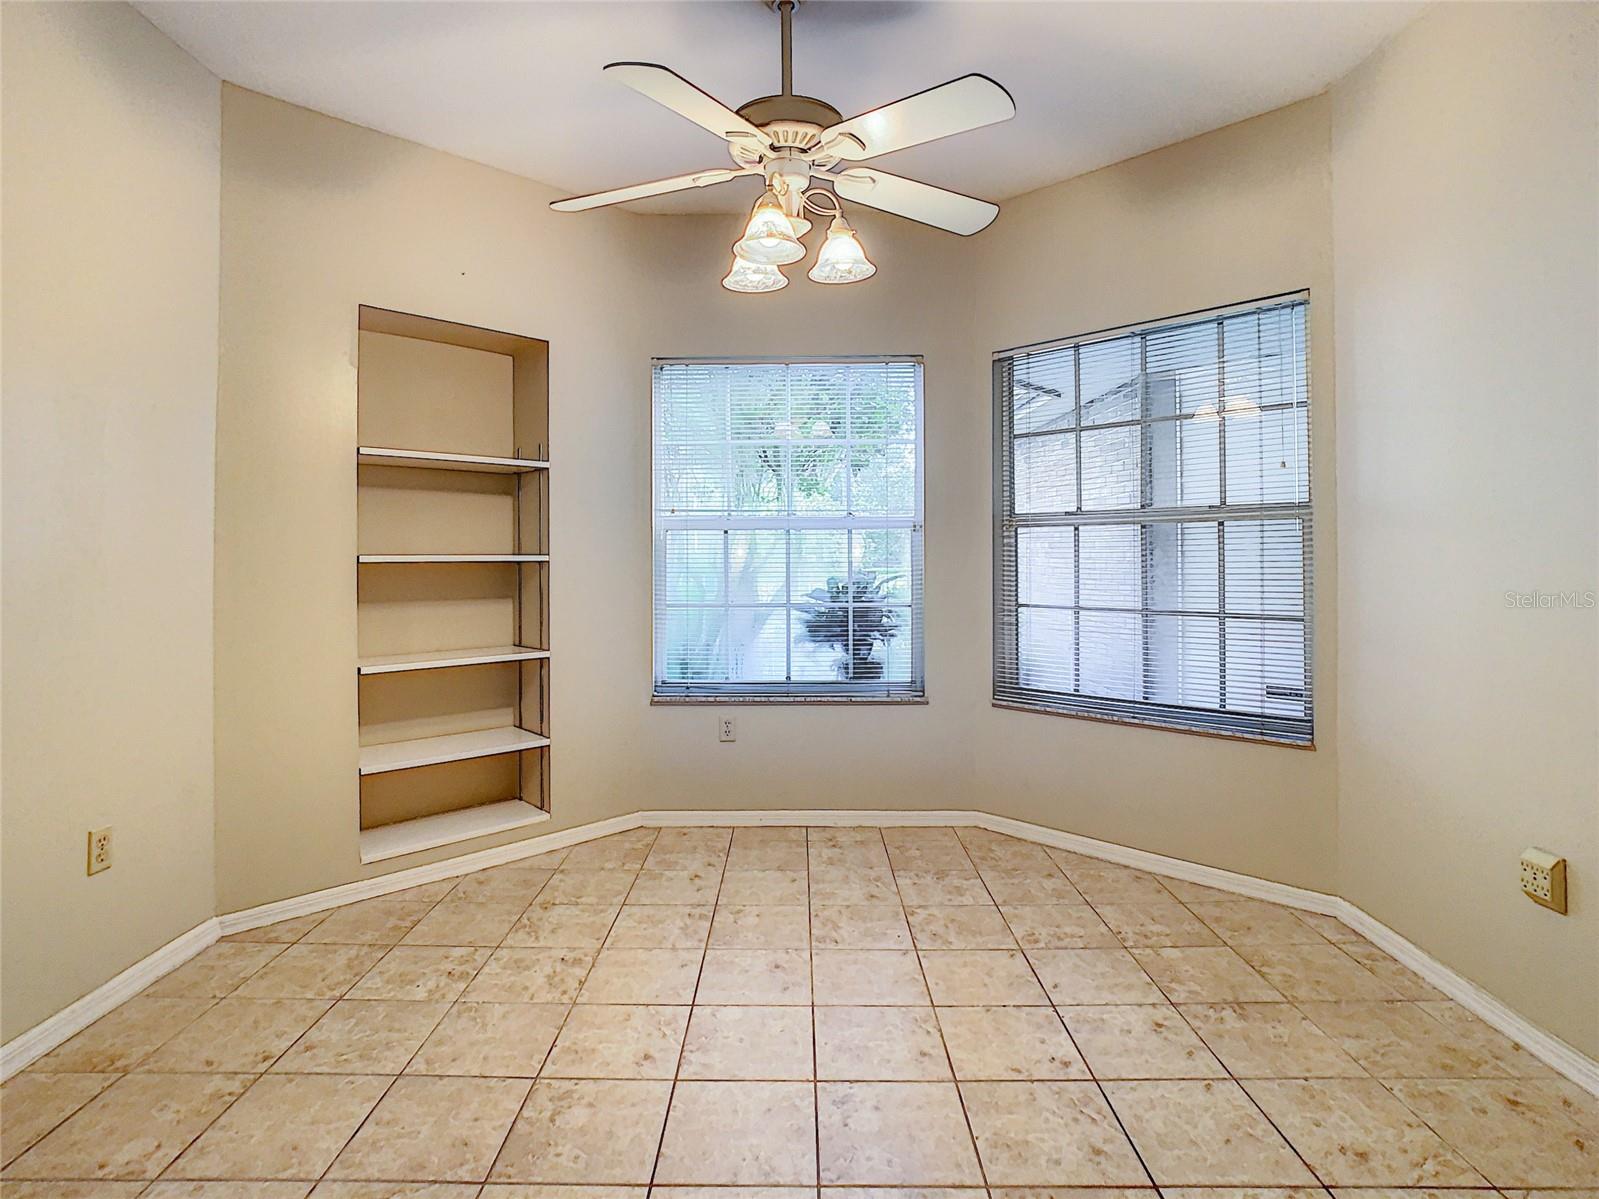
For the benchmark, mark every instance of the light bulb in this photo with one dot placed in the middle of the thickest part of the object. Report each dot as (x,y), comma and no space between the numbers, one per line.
(769,236)
(841,260)
(754,277)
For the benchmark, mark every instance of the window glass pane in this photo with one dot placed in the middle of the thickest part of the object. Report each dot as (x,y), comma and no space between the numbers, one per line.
(818,399)
(1110,654)
(1112,469)
(692,478)
(1045,570)
(759,476)
(898,662)
(1184,463)
(817,471)
(1265,567)
(1265,358)
(757,643)
(1184,660)
(693,647)
(1266,666)
(1268,457)
(1045,388)
(757,566)
(814,661)
(1183,367)
(1109,386)
(1046,644)
(1046,473)
(883,556)
(882,404)
(1108,568)
(882,478)
(1182,566)
(689,567)
(757,402)
(693,404)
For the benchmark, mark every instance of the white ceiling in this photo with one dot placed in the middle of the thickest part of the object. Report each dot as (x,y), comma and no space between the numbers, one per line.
(518,85)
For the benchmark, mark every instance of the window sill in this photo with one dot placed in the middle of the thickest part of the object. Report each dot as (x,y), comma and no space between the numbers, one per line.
(1157,726)
(676,701)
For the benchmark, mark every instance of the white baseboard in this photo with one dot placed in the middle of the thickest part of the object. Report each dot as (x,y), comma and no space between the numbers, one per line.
(828,817)
(26,1048)
(1545,1046)
(1154,863)
(415,876)
(1562,1057)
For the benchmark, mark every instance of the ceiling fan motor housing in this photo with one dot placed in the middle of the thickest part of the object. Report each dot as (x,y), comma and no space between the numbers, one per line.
(796,116)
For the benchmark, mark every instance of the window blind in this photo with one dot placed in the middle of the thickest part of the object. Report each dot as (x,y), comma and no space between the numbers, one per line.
(788,529)
(1153,524)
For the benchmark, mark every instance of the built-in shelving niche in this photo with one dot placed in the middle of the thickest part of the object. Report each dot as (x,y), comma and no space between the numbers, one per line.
(452,587)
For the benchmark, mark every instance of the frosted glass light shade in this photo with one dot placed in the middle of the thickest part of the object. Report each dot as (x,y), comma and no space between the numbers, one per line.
(769,236)
(754,277)
(841,260)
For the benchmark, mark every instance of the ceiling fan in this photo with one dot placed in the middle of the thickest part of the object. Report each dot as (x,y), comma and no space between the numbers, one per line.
(791,140)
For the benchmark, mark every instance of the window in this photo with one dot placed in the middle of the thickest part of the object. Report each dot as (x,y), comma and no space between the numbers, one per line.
(788,529)
(1152,524)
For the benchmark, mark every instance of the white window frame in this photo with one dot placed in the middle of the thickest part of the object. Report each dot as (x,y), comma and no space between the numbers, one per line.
(1009,692)
(789,692)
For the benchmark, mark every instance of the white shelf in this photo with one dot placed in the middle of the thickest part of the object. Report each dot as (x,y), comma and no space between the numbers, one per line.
(430,832)
(368,455)
(456,747)
(444,658)
(372,559)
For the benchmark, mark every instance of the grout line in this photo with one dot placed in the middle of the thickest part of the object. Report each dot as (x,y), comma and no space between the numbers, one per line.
(259,1075)
(671,1094)
(932,1007)
(1232,1077)
(810,963)
(445,1015)
(561,1027)
(1092,1073)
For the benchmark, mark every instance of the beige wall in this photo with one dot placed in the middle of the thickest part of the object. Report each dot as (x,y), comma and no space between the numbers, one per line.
(110,357)
(1467,260)
(1233,215)
(320,216)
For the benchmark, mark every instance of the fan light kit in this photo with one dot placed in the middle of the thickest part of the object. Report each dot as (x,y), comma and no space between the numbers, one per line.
(790,141)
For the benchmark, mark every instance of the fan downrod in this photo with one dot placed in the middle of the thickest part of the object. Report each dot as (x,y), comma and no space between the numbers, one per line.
(797,119)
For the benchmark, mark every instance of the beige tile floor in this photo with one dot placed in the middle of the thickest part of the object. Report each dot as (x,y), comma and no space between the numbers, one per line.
(918,1013)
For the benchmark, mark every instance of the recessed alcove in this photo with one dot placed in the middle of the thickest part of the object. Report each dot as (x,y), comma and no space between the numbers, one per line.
(452,620)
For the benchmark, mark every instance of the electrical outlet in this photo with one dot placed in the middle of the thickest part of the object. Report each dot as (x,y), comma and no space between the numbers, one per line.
(1543,878)
(725,729)
(99,849)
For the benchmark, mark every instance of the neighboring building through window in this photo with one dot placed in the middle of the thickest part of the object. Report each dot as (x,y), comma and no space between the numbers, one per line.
(1153,524)
(788,529)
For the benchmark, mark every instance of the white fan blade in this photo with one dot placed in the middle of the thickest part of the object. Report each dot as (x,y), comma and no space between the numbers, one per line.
(621,195)
(969,102)
(918,201)
(670,89)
